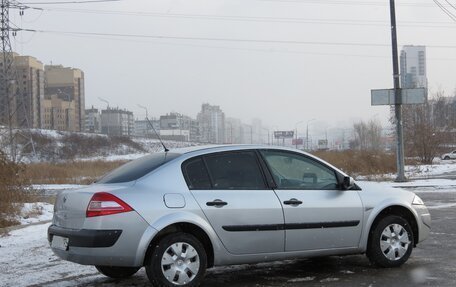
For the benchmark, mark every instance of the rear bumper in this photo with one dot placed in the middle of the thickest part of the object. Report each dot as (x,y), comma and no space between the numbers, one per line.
(85,237)
(113,240)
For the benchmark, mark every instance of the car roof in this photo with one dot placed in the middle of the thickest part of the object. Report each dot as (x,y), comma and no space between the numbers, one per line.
(224,147)
(188,152)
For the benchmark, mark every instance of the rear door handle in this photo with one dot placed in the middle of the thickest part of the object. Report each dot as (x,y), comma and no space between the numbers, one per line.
(216,203)
(292,201)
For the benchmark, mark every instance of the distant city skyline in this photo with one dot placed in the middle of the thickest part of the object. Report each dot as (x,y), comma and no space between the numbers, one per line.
(280,61)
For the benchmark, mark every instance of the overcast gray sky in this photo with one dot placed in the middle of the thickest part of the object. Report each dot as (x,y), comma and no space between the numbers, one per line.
(282,61)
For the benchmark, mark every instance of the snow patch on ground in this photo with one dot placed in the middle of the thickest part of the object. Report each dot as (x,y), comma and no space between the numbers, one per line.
(329,280)
(57,186)
(427,170)
(115,157)
(441,206)
(304,279)
(439,168)
(36,212)
(444,183)
(26,259)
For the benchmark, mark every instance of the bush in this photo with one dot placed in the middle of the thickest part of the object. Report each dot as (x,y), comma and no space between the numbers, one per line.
(12,190)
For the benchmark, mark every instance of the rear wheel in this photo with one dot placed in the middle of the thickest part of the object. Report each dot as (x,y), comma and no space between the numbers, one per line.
(179,259)
(117,272)
(447,158)
(390,242)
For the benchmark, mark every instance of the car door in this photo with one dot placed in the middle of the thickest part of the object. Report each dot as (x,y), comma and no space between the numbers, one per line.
(318,214)
(231,190)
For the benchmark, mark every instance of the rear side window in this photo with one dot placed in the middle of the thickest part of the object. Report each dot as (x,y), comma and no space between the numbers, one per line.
(235,170)
(138,168)
(196,174)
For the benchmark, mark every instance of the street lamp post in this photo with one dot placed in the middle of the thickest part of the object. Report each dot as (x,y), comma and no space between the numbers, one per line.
(307,133)
(147,118)
(251,135)
(143,107)
(296,131)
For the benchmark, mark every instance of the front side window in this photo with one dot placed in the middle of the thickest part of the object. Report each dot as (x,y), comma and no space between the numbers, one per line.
(235,170)
(294,171)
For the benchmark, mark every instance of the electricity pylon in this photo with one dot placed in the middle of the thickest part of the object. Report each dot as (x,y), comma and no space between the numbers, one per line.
(15,134)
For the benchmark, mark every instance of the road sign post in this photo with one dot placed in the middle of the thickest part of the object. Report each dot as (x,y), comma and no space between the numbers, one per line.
(397,97)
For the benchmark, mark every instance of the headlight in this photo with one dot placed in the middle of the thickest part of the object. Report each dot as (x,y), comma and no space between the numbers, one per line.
(417,201)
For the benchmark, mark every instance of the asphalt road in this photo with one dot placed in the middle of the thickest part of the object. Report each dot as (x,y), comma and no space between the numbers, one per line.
(433,263)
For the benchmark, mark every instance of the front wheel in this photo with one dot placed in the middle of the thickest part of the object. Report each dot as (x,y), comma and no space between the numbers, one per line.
(446,158)
(179,259)
(117,272)
(390,242)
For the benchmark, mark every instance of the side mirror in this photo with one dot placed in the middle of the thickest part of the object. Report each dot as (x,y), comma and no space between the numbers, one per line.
(348,183)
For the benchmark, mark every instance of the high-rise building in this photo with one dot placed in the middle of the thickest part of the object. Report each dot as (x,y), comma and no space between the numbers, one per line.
(211,121)
(29,87)
(57,114)
(233,131)
(67,84)
(92,121)
(117,122)
(176,126)
(143,128)
(413,67)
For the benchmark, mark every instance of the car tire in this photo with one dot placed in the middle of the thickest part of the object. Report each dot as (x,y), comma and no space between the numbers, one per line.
(179,259)
(390,242)
(117,272)
(446,158)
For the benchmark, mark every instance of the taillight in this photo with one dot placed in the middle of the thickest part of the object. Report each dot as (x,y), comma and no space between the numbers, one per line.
(103,203)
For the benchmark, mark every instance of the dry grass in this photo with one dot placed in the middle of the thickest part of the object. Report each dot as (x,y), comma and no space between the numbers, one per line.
(68,172)
(355,163)
(365,163)
(12,191)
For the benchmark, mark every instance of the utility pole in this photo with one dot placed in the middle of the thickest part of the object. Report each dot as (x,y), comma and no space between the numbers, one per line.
(296,136)
(307,133)
(14,114)
(107,115)
(398,98)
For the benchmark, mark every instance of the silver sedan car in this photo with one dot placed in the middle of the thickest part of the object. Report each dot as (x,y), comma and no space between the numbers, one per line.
(180,212)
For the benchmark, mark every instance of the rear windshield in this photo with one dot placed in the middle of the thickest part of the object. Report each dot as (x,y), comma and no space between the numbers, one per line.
(136,169)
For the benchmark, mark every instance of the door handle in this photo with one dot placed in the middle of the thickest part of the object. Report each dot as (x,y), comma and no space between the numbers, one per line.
(292,201)
(216,203)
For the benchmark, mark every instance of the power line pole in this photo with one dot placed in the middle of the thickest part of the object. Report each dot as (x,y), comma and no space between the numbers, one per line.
(14,114)
(398,98)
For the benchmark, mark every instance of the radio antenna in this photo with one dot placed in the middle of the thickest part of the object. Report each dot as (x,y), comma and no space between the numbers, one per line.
(152,126)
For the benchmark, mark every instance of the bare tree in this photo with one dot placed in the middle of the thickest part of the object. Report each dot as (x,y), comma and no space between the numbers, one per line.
(426,126)
(367,135)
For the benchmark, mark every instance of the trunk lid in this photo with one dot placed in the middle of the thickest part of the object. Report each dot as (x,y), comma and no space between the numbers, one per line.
(71,205)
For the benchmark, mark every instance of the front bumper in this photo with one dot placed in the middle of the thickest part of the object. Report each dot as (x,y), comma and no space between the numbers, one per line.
(424,222)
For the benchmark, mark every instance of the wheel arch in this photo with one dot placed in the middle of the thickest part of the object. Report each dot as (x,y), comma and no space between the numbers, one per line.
(397,210)
(185,227)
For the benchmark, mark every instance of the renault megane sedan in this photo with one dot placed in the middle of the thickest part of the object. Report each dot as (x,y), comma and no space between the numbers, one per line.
(180,212)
